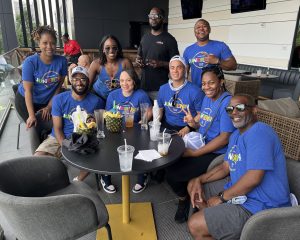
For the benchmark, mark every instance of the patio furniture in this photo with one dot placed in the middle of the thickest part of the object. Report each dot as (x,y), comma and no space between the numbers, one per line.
(38,201)
(288,130)
(132,220)
(287,84)
(234,84)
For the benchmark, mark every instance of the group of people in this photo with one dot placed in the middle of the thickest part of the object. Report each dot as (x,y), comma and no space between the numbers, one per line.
(254,167)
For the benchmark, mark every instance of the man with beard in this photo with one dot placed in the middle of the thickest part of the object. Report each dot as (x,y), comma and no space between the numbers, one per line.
(63,105)
(154,53)
(256,166)
(206,52)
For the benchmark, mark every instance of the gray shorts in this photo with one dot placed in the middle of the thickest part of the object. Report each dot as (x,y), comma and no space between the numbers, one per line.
(225,221)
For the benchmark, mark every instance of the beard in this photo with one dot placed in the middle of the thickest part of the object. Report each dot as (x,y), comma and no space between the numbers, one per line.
(157,26)
(81,92)
(242,124)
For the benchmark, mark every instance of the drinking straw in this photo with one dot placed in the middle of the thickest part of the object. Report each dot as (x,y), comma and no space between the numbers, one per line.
(164,136)
(170,142)
(125,144)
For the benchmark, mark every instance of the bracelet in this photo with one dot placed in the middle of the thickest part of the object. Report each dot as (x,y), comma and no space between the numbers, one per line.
(221,196)
(191,128)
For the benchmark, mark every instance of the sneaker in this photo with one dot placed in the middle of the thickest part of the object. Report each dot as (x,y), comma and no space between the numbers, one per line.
(107,185)
(141,184)
(183,210)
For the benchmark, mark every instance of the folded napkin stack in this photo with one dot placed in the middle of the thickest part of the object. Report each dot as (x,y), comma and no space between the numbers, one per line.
(148,155)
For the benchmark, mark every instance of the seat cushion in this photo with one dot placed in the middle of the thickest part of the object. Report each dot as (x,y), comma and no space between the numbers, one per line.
(283,106)
(83,189)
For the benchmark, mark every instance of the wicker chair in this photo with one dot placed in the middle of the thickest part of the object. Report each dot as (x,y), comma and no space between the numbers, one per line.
(234,84)
(288,130)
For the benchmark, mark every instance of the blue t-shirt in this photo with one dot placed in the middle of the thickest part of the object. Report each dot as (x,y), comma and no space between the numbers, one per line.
(131,103)
(63,105)
(194,56)
(221,123)
(259,148)
(190,96)
(45,77)
(105,84)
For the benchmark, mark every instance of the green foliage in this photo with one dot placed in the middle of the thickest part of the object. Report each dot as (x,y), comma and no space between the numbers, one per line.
(18,26)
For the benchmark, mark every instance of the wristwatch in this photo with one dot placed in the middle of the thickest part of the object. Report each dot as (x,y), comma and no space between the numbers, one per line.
(221,196)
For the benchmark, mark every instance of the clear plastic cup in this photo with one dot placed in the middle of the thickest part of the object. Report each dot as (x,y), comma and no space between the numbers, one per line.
(144,115)
(258,72)
(163,143)
(125,157)
(154,130)
(129,119)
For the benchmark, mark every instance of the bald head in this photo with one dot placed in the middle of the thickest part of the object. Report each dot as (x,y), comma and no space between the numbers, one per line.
(84,61)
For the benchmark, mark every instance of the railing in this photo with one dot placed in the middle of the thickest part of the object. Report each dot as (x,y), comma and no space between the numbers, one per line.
(9,75)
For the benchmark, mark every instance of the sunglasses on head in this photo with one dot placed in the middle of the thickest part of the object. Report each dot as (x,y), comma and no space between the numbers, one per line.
(239,107)
(113,49)
(174,99)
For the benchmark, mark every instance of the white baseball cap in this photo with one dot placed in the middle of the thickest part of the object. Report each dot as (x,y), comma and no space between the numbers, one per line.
(178,58)
(80,69)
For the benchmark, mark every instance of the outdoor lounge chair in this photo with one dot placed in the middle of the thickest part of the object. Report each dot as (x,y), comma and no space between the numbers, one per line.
(38,201)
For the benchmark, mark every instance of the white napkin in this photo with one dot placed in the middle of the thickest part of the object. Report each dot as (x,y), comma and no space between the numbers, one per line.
(148,155)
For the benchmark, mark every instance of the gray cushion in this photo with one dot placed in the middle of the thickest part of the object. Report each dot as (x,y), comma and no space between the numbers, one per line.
(283,106)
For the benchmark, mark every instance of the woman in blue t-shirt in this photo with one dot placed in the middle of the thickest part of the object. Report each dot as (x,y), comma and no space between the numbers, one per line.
(128,99)
(42,77)
(105,71)
(215,125)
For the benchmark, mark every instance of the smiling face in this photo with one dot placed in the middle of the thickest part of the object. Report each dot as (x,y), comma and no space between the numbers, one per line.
(47,44)
(155,19)
(211,85)
(177,70)
(80,84)
(126,83)
(245,118)
(202,31)
(110,49)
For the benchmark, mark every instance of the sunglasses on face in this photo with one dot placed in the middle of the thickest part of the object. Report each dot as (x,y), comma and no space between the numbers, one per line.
(113,49)
(83,80)
(239,107)
(155,16)
(174,99)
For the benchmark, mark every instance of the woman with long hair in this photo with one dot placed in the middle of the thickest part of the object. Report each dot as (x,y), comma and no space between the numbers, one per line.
(108,67)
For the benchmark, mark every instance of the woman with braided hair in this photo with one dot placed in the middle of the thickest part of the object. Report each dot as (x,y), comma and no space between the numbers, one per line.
(42,77)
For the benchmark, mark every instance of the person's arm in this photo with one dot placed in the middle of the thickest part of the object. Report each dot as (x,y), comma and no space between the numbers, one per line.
(245,184)
(215,144)
(195,185)
(127,64)
(58,129)
(93,71)
(228,64)
(31,121)
(161,113)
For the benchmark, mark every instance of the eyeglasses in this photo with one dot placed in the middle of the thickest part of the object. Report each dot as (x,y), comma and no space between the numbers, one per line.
(113,49)
(155,16)
(174,99)
(239,107)
(83,80)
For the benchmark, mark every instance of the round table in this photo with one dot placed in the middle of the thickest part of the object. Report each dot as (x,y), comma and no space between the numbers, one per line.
(106,161)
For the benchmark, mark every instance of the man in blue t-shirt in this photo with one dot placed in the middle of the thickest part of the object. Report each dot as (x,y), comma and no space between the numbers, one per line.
(206,52)
(64,104)
(258,180)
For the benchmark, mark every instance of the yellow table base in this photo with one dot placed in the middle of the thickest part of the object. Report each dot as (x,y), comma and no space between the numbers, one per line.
(140,227)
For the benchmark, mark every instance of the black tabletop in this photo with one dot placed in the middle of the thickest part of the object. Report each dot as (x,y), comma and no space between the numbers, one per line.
(106,159)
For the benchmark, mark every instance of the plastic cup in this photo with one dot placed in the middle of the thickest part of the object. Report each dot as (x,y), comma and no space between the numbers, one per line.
(163,142)
(154,130)
(99,116)
(129,117)
(125,157)
(144,115)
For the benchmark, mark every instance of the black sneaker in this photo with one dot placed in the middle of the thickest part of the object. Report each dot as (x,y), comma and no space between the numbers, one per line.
(107,185)
(183,210)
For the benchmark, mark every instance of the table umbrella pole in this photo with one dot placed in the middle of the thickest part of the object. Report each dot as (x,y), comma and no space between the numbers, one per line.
(125,198)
